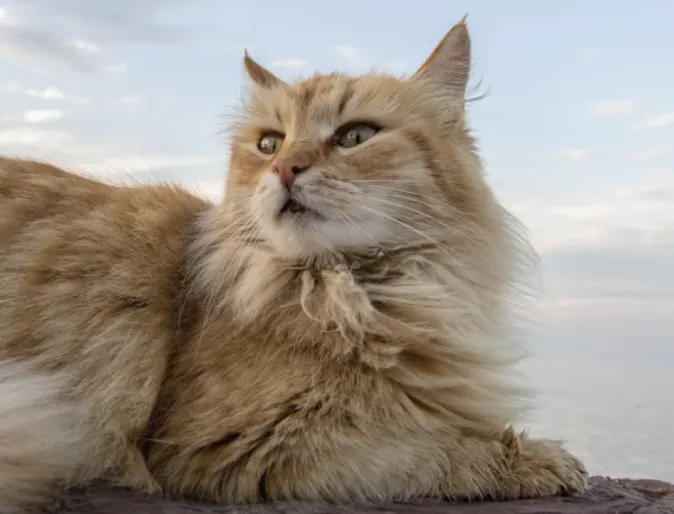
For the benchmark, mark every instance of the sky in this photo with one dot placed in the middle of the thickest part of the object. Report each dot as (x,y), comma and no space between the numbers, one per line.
(577,133)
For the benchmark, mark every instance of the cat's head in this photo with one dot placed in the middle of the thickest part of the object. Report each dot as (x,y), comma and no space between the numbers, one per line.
(337,164)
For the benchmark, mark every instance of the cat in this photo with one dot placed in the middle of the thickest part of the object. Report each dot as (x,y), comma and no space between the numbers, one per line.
(338,329)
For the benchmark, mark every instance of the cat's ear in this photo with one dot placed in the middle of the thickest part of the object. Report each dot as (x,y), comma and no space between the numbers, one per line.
(260,75)
(448,66)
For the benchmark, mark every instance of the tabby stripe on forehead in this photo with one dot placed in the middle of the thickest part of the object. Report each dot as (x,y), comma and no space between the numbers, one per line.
(304,97)
(347,94)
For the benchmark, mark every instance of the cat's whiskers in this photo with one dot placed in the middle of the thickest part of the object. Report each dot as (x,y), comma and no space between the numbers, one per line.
(397,181)
(452,229)
(463,226)
(413,196)
(345,217)
(408,227)
(330,201)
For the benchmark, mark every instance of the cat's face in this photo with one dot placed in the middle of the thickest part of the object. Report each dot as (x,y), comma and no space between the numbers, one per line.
(337,163)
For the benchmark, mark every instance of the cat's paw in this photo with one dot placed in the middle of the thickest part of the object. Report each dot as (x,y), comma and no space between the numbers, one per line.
(543,467)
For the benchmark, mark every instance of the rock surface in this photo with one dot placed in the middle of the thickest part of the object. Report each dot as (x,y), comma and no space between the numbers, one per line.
(606,496)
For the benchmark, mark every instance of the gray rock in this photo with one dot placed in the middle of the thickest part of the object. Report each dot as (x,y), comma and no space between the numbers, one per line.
(606,496)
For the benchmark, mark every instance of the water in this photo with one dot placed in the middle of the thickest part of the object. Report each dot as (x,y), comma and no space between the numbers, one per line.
(616,414)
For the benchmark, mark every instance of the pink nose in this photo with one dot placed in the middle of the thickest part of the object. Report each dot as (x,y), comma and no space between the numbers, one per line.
(289,166)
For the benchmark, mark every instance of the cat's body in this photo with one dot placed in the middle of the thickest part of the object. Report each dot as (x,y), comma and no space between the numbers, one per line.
(336,330)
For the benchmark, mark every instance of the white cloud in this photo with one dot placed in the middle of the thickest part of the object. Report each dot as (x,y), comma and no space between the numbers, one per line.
(21,138)
(657,121)
(38,33)
(43,115)
(115,69)
(144,163)
(6,18)
(10,87)
(347,51)
(128,100)
(293,63)
(576,154)
(357,62)
(38,47)
(583,212)
(650,153)
(614,108)
(102,160)
(49,93)
(395,67)
(84,46)
(663,192)
(637,215)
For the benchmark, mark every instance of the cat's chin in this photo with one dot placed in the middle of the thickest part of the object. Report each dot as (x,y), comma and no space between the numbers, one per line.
(307,238)
(298,231)
(297,235)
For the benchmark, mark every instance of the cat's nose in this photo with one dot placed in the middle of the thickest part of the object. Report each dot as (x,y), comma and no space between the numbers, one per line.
(289,166)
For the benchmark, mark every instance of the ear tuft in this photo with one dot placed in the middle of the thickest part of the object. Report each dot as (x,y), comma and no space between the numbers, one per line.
(258,74)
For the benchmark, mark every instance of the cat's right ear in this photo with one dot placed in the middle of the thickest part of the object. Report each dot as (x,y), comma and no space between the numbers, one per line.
(259,74)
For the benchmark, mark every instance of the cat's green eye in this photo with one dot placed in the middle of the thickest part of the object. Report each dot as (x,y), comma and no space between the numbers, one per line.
(355,135)
(270,143)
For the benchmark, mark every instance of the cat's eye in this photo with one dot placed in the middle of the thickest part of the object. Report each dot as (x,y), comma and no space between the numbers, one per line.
(270,143)
(355,135)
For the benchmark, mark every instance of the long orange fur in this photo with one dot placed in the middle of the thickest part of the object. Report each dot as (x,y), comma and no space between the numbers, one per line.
(361,350)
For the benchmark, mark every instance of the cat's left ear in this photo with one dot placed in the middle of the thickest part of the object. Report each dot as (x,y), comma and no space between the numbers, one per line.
(259,74)
(447,69)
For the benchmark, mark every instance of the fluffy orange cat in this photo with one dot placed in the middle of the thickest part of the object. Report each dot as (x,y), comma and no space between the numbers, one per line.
(338,329)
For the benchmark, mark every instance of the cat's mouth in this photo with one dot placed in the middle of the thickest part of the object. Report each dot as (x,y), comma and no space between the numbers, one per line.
(293,207)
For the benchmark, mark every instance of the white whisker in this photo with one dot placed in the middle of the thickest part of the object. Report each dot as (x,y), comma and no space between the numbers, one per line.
(403,224)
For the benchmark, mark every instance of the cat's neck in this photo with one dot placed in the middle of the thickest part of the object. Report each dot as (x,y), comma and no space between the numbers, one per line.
(250,281)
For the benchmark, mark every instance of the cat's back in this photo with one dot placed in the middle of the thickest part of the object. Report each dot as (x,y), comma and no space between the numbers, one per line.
(39,199)
(73,249)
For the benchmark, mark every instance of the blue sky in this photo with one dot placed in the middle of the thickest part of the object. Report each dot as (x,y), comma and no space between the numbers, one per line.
(577,132)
